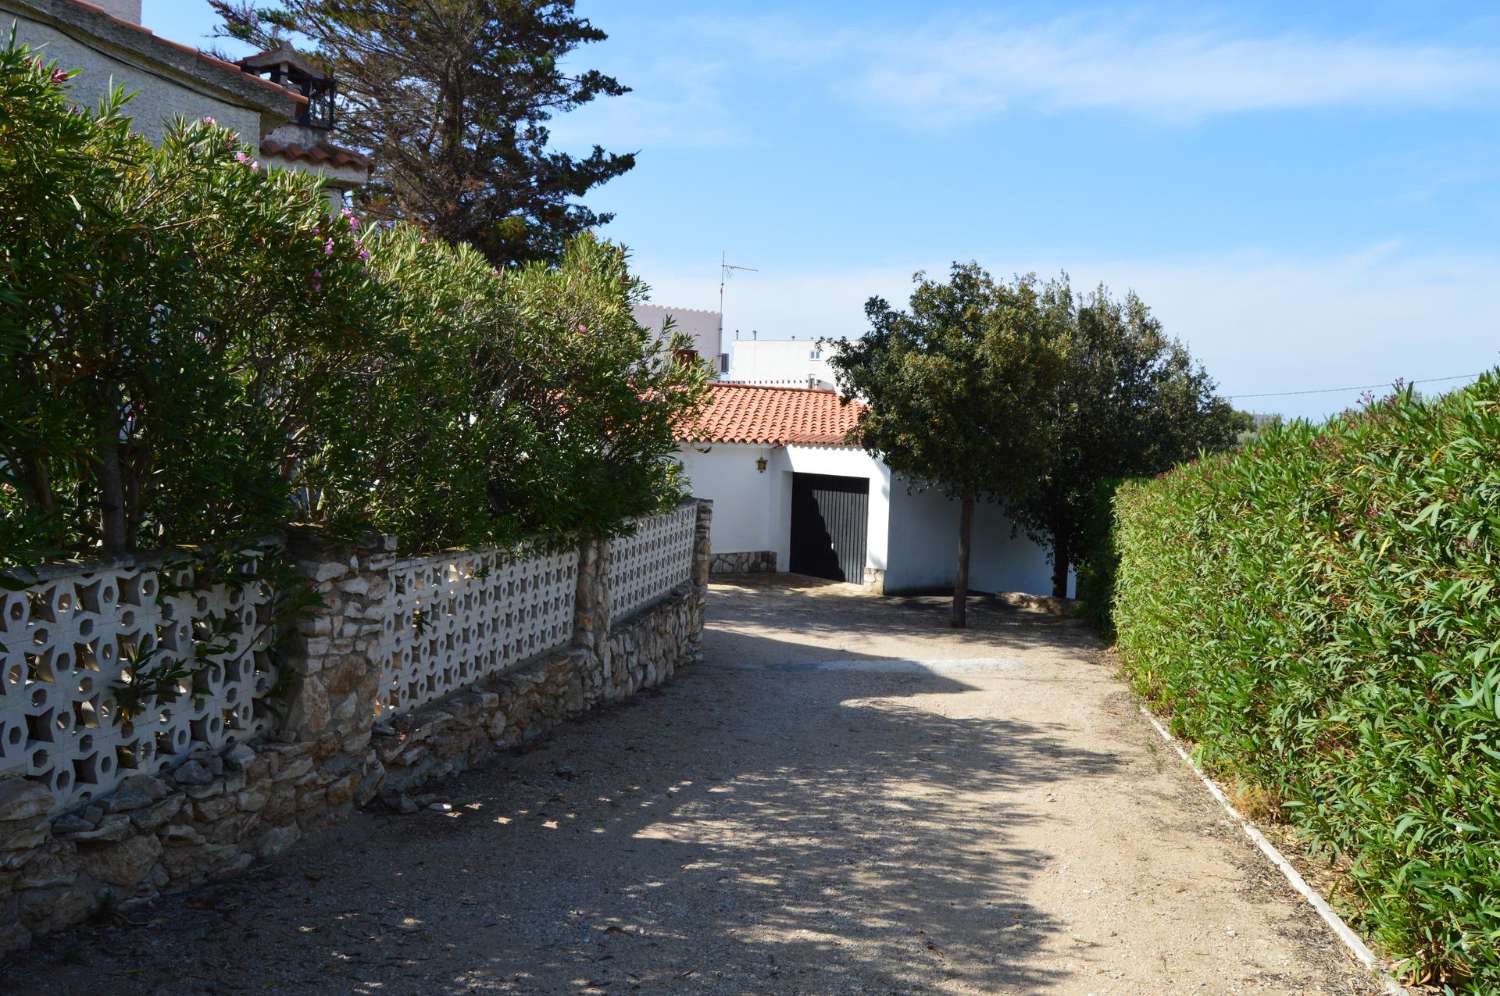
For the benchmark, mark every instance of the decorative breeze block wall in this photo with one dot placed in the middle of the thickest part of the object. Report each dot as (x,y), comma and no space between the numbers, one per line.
(649,563)
(455,618)
(70,641)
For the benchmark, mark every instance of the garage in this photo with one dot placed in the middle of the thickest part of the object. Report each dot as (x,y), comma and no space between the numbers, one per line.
(830,526)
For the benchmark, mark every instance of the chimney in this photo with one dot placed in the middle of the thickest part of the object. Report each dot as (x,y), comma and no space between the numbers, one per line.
(125,10)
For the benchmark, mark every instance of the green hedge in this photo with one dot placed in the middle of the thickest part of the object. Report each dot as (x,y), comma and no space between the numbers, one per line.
(1319,613)
(1099,560)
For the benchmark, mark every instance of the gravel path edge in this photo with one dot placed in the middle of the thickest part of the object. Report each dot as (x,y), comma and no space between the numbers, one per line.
(1336,925)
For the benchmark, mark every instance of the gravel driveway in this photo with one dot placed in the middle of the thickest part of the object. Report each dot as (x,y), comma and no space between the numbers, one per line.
(845,797)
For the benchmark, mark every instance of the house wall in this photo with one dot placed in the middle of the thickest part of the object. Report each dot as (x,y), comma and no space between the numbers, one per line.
(913,538)
(924,547)
(843,461)
(779,361)
(158,99)
(744,498)
(753,510)
(700,325)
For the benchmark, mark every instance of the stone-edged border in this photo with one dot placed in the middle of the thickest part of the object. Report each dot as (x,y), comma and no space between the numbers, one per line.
(1336,925)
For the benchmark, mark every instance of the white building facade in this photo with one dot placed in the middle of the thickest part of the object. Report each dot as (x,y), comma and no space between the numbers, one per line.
(705,328)
(781,362)
(790,495)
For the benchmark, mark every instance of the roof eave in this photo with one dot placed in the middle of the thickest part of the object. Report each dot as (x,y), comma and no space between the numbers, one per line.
(188,66)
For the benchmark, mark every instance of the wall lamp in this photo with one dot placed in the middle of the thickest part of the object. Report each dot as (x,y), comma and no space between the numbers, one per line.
(760,464)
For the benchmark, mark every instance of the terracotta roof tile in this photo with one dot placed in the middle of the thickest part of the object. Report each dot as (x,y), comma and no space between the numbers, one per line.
(772,416)
(323,152)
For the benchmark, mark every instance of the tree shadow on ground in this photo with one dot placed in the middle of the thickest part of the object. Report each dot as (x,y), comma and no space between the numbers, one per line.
(788,604)
(740,830)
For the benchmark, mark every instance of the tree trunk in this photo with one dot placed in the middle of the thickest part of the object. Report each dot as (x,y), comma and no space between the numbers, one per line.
(960,616)
(112,525)
(1059,567)
(1062,555)
(112,498)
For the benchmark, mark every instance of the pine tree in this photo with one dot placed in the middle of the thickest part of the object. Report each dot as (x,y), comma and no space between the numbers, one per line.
(451,99)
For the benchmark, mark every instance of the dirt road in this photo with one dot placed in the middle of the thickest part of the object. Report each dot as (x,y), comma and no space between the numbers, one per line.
(845,797)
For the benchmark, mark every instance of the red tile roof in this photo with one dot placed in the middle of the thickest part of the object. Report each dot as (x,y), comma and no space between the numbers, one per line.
(323,152)
(772,416)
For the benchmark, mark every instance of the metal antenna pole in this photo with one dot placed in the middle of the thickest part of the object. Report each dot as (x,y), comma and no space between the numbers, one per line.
(726,269)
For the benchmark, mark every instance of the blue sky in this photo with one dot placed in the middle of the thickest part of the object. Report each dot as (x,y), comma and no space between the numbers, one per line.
(1308,195)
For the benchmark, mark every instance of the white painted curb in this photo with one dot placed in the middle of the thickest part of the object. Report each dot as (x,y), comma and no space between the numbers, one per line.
(1341,930)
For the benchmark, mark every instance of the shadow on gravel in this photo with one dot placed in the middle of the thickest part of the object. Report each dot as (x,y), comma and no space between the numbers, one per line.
(739,831)
(802,604)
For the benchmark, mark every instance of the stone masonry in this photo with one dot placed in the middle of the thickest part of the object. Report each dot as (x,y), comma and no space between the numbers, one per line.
(217,812)
(745,562)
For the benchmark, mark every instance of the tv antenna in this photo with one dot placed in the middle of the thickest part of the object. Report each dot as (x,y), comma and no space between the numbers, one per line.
(726,270)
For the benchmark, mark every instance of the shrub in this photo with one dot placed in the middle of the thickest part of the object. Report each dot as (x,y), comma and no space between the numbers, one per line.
(165,311)
(195,351)
(500,404)
(1319,613)
(1100,558)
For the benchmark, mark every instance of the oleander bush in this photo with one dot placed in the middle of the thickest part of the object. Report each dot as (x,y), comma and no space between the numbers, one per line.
(1319,613)
(196,350)
(1100,559)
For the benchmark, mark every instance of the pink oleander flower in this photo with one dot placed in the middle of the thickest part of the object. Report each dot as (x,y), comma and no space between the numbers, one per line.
(317,279)
(350,217)
(362,252)
(328,248)
(208,120)
(241,158)
(60,76)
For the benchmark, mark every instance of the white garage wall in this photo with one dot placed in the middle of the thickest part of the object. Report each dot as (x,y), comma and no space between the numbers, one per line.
(913,536)
(924,547)
(742,496)
(843,461)
(753,510)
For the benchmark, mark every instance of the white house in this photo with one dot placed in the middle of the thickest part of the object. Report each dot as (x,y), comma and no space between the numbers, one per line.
(787,362)
(287,118)
(705,328)
(790,494)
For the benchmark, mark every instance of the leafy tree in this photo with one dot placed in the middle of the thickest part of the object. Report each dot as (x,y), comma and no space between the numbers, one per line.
(194,351)
(451,100)
(958,388)
(1131,401)
(1250,426)
(502,404)
(168,314)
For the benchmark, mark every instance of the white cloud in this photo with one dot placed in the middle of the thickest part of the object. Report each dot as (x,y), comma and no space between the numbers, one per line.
(676,103)
(943,72)
(1259,324)
(961,76)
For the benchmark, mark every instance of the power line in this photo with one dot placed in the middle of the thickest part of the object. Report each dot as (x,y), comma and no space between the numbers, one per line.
(1341,390)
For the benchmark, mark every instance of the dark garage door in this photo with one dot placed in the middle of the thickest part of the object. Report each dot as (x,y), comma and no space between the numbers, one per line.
(830,523)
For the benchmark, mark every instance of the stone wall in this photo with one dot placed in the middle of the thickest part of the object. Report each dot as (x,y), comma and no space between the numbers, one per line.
(745,562)
(214,812)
